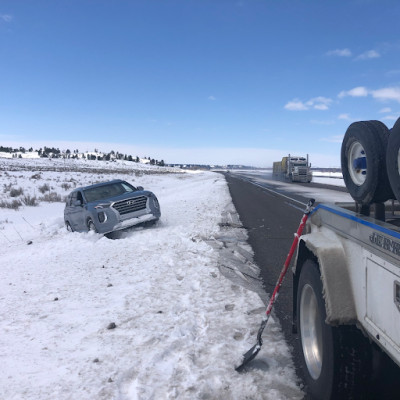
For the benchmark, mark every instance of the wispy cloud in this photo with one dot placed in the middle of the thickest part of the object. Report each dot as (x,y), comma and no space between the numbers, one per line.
(339,53)
(320,103)
(385,110)
(295,105)
(316,103)
(333,139)
(321,107)
(368,55)
(212,98)
(390,117)
(346,117)
(385,94)
(359,91)
(393,72)
(6,17)
(321,122)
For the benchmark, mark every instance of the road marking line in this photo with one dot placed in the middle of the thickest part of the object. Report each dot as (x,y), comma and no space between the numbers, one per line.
(292,205)
(279,194)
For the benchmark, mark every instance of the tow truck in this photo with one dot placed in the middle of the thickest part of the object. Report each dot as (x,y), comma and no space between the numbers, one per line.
(346,276)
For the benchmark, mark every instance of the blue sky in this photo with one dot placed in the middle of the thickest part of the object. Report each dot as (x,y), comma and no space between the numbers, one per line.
(197,81)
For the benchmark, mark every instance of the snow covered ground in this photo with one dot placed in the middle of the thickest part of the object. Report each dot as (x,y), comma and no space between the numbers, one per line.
(62,164)
(329,178)
(321,195)
(151,315)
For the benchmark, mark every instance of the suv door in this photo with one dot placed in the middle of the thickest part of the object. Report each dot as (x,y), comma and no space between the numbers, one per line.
(75,212)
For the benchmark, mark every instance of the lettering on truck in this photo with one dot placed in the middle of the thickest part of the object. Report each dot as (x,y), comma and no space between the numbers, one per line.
(385,243)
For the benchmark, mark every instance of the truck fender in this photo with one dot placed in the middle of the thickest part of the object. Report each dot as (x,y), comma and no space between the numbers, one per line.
(328,252)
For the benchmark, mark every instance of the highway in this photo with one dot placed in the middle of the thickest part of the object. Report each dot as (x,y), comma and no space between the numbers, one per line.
(271,212)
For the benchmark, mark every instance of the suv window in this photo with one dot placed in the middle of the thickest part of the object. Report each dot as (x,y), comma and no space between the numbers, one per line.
(76,196)
(107,191)
(128,188)
(79,197)
(73,198)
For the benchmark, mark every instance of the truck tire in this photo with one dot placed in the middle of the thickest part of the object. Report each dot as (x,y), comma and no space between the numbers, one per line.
(392,159)
(336,361)
(363,159)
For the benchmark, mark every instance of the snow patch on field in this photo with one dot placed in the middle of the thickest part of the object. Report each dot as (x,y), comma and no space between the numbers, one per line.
(146,316)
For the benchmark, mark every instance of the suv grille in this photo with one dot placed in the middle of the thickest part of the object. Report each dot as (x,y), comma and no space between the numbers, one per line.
(130,205)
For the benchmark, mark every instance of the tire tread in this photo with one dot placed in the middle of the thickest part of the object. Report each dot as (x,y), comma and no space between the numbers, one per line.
(347,362)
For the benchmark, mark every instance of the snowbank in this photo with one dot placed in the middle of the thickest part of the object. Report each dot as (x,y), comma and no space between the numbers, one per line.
(69,164)
(146,316)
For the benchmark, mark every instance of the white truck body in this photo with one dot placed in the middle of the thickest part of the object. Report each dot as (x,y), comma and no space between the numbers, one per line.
(359,262)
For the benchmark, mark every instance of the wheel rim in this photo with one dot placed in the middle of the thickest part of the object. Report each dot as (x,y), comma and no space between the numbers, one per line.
(311,332)
(357,163)
(69,229)
(91,226)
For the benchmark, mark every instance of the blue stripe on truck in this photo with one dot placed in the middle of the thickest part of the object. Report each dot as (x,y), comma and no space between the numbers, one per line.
(356,219)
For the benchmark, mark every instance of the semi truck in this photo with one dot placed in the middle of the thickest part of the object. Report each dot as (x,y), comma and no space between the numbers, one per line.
(293,168)
(346,276)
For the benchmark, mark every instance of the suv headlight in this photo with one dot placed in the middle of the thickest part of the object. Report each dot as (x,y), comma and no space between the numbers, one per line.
(155,202)
(103,205)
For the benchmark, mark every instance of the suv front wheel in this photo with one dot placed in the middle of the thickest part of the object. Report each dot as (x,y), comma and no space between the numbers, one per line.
(91,226)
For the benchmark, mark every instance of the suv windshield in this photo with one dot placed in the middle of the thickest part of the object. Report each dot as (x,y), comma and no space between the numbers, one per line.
(107,191)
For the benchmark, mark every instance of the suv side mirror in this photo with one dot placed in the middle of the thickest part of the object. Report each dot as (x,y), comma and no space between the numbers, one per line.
(139,188)
(77,203)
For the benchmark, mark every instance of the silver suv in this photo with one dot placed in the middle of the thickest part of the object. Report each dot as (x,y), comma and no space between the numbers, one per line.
(109,206)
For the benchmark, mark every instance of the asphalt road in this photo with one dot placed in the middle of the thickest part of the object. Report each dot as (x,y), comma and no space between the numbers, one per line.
(271,221)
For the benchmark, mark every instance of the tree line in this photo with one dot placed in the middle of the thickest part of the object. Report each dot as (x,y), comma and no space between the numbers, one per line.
(51,152)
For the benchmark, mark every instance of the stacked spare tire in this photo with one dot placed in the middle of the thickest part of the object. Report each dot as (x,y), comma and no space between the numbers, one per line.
(370,159)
